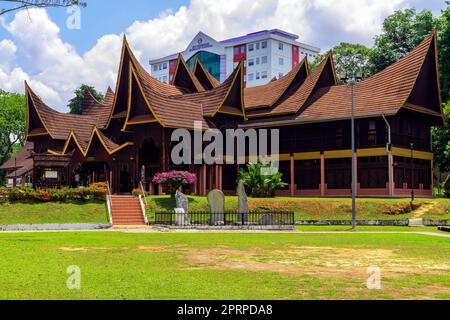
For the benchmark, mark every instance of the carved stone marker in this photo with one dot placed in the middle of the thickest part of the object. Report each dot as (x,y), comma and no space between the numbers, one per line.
(216,203)
(182,210)
(242,209)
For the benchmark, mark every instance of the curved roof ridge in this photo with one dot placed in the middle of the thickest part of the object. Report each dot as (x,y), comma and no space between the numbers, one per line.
(56,123)
(257,97)
(294,102)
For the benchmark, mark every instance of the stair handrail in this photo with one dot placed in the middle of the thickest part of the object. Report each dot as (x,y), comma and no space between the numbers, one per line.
(109,201)
(141,187)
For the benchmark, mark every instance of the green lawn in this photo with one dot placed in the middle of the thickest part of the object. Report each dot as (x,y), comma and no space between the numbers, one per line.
(223,266)
(41,213)
(320,208)
(304,208)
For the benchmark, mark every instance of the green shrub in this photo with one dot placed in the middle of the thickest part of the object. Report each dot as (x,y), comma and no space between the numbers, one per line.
(261,181)
(94,192)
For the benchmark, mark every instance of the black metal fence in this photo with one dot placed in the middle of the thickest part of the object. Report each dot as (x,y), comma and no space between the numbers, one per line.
(229,218)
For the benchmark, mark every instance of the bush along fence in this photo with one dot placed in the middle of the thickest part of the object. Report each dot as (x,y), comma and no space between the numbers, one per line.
(94,192)
(230,218)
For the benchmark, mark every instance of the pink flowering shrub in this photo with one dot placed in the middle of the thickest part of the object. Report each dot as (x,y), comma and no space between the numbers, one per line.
(173,180)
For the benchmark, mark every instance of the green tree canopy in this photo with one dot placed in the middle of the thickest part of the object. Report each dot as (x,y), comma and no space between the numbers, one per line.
(13,114)
(76,103)
(402,32)
(351,60)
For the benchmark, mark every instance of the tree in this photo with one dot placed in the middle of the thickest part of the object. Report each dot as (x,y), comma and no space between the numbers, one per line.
(15,5)
(13,114)
(443,26)
(351,60)
(402,32)
(441,142)
(76,103)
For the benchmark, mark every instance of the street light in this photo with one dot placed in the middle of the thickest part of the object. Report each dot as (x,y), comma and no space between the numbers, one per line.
(352,82)
(412,171)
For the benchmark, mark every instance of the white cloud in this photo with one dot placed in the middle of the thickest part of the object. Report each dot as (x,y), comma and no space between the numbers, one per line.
(55,69)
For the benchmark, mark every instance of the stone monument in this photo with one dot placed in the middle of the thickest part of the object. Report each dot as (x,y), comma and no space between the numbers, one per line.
(216,203)
(242,209)
(182,202)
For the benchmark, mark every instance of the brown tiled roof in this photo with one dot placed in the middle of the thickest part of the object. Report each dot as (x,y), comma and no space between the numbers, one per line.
(24,169)
(59,125)
(109,97)
(20,159)
(267,95)
(384,93)
(293,100)
(206,79)
(169,111)
(213,100)
(98,111)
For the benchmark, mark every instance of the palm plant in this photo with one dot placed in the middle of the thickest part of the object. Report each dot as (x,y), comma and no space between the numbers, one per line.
(261,180)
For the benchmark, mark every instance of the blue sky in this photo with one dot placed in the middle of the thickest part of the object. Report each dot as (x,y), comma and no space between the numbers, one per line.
(38,47)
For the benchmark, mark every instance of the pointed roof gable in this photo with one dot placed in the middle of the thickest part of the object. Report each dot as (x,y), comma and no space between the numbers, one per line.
(139,110)
(95,109)
(226,98)
(267,95)
(184,78)
(169,111)
(322,76)
(57,125)
(387,92)
(206,79)
(109,97)
(85,146)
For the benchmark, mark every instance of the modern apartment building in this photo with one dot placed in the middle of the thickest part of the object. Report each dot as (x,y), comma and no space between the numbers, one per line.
(267,54)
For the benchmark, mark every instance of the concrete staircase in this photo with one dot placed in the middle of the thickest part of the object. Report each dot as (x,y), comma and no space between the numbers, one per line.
(126,211)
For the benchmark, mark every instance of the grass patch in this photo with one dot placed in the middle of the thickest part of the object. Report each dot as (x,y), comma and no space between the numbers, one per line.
(223,266)
(309,208)
(52,212)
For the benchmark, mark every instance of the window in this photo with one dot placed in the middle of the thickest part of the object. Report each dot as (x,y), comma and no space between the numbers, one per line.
(242,49)
(236,51)
(264,74)
(372,134)
(281,61)
(251,62)
(171,77)
(280,46)
(263,59)
(258,60)
(165,65)
(155,67)
(160,67)
(164,79)
(263,44)
(257,45)
(250,76)
(251,47)
(258,76)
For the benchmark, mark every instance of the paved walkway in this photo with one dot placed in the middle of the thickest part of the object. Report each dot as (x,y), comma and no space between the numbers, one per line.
(154,230)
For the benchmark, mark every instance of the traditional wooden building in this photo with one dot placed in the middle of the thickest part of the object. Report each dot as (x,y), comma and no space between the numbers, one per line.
(131,129)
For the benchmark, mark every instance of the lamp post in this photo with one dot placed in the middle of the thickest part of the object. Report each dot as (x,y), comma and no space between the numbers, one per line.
(412,172)
(352,82)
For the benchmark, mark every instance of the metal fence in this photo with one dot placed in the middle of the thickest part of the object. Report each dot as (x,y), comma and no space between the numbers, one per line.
(229,218)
